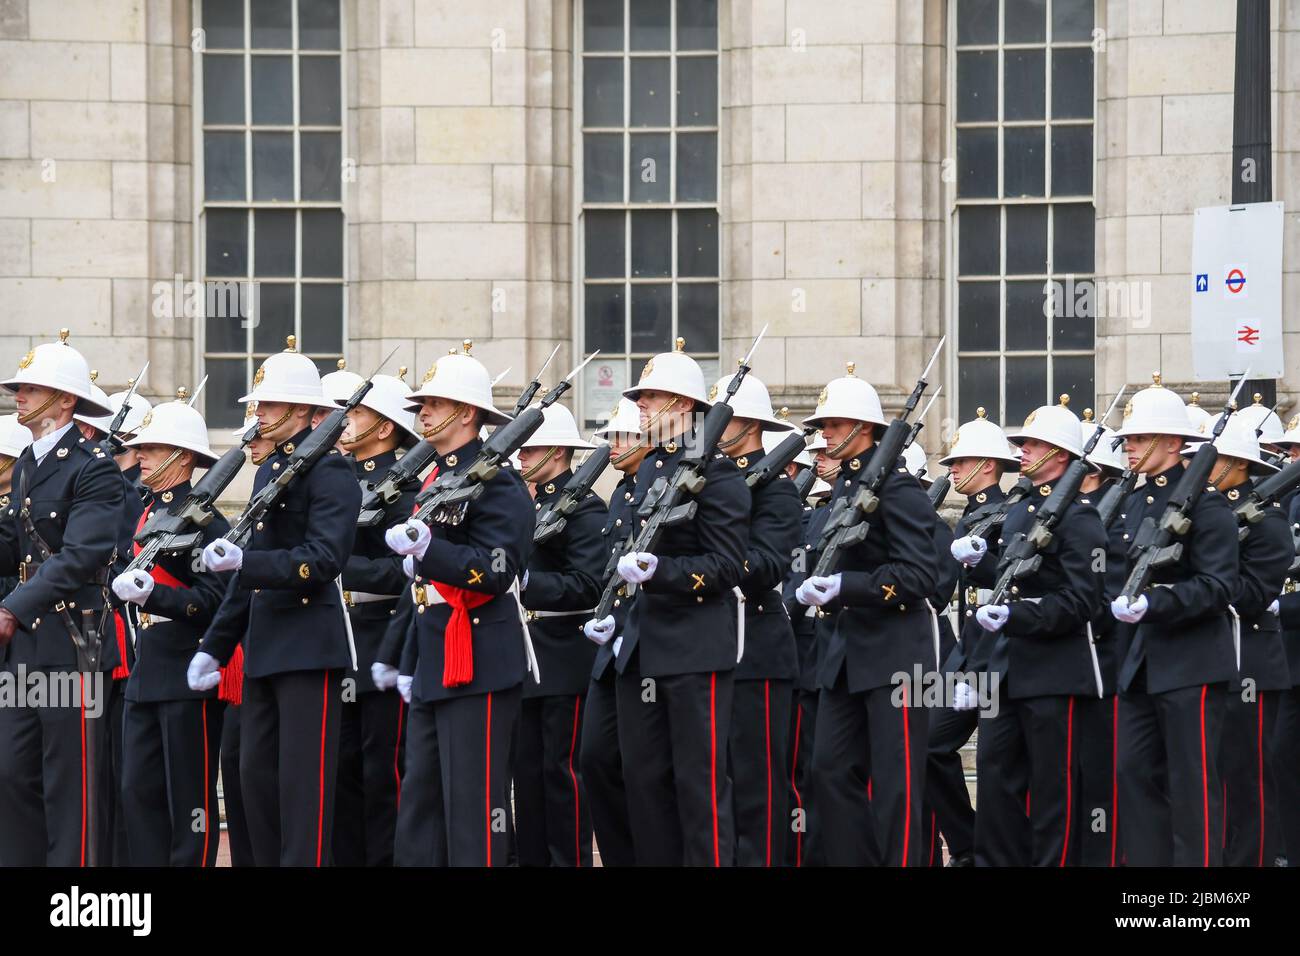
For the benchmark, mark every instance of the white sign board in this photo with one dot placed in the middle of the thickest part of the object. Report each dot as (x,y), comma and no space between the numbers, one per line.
(1236,285)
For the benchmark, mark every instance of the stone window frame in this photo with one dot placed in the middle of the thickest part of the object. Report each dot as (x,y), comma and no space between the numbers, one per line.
(964,406)
(220,417)
(632,361)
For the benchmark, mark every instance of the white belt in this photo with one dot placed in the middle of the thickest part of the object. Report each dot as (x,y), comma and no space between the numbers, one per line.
(1236,634)
(347,622)
(425,595)
(353,598)
(539,615)
(740,623)
(934,630)
(978,596)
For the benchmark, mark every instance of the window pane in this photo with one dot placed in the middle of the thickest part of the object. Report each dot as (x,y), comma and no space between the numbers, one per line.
(1071,20)
(977,317)
(605,245)
(697,91)
(223,90)
(273,166)
(1074,239)
(649,24)
(1023,168)
(1025,21)
(649,167)
(322,318)
(1026,386)
(223,166)
(604,318)
(697,24)
(652,245)
(602,92)
(223,324)
(697,315)
(1071,160)
(1026,323)
(272,24)
(272,90)
(227,381)
(977,163)
(977,21)
(318,24)
(274,316)
(1074,375)
(697,242)
(602,26)
(322,243)
(1074,327)
(318,90)
(980,240)
(1026,240)
(273,242)
(223,24)
(1023,87)
(602,160)
(650,84)
(977,86)
(227,242)
(322,166)
(652,317)
(1072,84)
(977,384)
(697,167)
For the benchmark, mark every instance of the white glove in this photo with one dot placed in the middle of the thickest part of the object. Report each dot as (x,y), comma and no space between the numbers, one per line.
(135,589)
(630,570)
(408,567)
(599,631)
(404,683)
(964,696)
(992,617)
(399,540)
(1275,607)
(204,673)
(618,642)
(969,550)
(1129,613)
(385,677)
(817,591)
(232,560)
(523,585)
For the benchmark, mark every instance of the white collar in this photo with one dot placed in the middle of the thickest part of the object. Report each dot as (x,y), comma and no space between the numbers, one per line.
(42,446)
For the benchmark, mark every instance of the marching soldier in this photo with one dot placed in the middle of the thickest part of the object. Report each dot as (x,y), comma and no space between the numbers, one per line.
(171,734)
(1042,653)
(865,732)
(14,437)
(1178,660)
(286,605)
(601,758)
(469,634)
(678,654)
(758,745)
(58,535)
(561,586)
(372,723)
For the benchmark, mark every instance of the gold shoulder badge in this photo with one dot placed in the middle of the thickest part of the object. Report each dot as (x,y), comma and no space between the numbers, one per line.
(452,461)
(147,420)
(1233,494)
(167,496)
(1044,490)
(649,367)
(304,571)
(821,399)
(259,375)
(713,391)
(289,447)
(1161,481)
(742,461)
(369,465)
(982,497)
(61,453)
(26,360)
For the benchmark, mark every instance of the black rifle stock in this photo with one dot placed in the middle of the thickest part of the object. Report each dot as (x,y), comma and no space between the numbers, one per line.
(375,498)
(553,518)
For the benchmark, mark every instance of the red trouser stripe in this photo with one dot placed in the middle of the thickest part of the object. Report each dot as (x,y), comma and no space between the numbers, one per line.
(577,808)
(798,800)
(713,762)
(907,780)
(320,805)
(487,779)
(1069,793)
(1205,780)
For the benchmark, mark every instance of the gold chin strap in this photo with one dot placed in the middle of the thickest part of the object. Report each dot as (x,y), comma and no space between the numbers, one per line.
(550,453)
(155,480)
(857,430)
(6,463)
(730,443)
(33,415)
(969,475)
(829,475)
(455,413)
(1227,467)
(1028,471)
(258,461)
(265,430)
(663,409)
(365,434)
(619,459)
(1151,446)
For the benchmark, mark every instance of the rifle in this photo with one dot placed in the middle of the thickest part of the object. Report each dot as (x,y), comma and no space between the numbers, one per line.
(774,462)
(112,444)
(526,397)
(847,526)
(666,502)
(446,500)
(1160,544)
(983,521)
(939,490)
(1263,495)
(804,481)
(375,498)
(554,517)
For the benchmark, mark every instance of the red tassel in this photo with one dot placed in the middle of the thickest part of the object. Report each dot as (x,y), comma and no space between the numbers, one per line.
(231,688)
(458,638)
(122,670)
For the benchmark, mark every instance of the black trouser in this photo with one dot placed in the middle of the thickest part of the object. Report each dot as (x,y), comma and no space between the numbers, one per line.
(947,798)
(232,797)
(119,853)
(1286,764)
(1095,823)
(171,750)
(1025,789)
(1252,835)
(456,786)
(673,734)
(602,773)
(288,765)
(1170,798)
(46,776)
(869,773)
(370,772)
(757,753)
(802,847)
(552,819)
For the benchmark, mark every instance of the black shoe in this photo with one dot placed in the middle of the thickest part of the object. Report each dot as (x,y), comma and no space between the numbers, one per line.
(962,859)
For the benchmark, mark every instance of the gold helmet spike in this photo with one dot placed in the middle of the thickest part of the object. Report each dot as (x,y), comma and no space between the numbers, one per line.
(1196,399)
(182,393)
(784,413)
(342,364)
(850,367)
(1065,400)
(63,336)
(981,412)
(1155,380)
(290,343)
(1258,398)
(467,344)
(680,344)
(401,372)
(1087,414)
(94,374)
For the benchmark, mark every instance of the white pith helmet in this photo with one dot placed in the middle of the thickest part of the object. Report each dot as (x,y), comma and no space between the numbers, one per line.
(1054,424)
(816,443)
(177,425)
(751,401)
(1263,419)
(558,430)
(1105,454)
(673,372)
(915,461)
(338,386)
(388,397)
(1292,434)
(624,419)
(137,408)
(14,437)
(459,377)
(848,397)
(772,439)
(57,365)
(288,377)
(981,438)
(250,419)
(1157,410)
(1237,440)
(98,422)
(1196,414)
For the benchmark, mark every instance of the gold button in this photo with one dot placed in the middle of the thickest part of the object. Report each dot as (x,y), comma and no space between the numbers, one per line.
(902,607)
(699,600)
(659,464)
(275,466)
(1150,500)
(1031,509)
(304,600)
(617,522)
(259,526)
(475,620)
(72,604)
(53,514)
